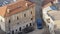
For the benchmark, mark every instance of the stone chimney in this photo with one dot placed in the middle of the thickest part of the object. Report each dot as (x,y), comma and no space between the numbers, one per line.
(26,4)
(8,10)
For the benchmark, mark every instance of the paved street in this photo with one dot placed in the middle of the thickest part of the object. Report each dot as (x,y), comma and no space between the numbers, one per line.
(38,7)
(43,31)
(40,31)
(37,31)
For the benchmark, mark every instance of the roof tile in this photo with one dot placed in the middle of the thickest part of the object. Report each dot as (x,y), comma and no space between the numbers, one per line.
(16,7)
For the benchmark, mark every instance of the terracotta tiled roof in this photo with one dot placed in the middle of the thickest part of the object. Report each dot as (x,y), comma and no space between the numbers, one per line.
(3,10)
(14,8)
(46,2)
(49,4)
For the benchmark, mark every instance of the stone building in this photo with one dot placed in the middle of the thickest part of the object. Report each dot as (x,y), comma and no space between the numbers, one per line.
(17,16)
(51,16)
(48,6)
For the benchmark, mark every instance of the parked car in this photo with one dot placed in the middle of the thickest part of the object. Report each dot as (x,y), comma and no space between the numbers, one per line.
(39,23)
(28,29)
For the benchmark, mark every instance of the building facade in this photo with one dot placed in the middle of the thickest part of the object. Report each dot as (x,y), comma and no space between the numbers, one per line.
(51,16)
(16,16)
(47,7)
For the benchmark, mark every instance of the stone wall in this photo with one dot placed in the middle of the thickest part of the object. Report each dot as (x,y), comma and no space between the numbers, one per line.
(20,20)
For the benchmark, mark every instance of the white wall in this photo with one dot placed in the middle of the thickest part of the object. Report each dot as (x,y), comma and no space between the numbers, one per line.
(45,10)
(2,23)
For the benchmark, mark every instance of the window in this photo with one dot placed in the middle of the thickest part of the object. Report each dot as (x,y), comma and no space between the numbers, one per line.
(30,24)
(31,18)
(27,25)
(9,24)
(17,17)
(24,15)
(51,2)
(9,21)
(48,20)
(20,29)
(16,29)
(31,12)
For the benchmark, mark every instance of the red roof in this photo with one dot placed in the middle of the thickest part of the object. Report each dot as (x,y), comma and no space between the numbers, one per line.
(46,2)
(15,8)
